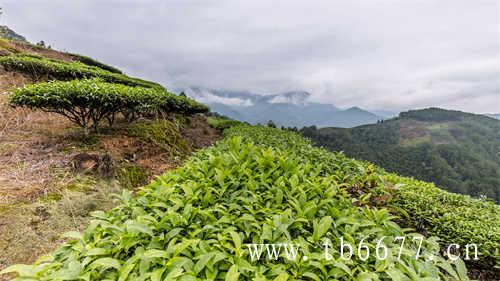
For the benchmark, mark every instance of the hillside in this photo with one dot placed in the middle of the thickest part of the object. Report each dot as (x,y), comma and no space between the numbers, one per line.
(270,185)
(456,150)
(52,175)
(496,116)
(104,176)
(289,109)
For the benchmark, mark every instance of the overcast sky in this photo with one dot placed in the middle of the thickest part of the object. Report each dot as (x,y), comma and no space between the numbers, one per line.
(374,54)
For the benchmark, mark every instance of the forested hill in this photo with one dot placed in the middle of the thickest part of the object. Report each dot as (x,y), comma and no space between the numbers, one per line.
(456,150)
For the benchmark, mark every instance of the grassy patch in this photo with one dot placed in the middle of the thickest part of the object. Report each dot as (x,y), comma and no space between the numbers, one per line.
(6,148)
(164,133)
(35,228)
(131,176)
(415,141)
(222,123)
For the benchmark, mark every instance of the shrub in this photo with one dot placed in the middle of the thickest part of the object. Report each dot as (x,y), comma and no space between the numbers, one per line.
(38,67)
(92,62)
(88,102)
(193,224)
(452,217)
(222,123)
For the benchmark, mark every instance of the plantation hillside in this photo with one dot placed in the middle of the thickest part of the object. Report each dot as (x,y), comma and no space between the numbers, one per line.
(74,133)
(456,150)
(264,185)
(109,177)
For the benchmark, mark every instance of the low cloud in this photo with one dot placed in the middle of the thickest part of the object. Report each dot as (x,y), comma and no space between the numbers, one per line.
(382,54)
(207,97)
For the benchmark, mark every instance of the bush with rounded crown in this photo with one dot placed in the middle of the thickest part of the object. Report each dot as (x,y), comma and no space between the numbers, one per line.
(89,102)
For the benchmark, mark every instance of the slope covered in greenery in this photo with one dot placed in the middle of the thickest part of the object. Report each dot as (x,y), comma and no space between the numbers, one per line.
(39,68)
(455,150)
(52,175)
(263,185)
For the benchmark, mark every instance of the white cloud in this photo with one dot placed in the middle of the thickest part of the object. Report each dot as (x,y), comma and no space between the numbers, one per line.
(384,54)
(207,97)
(280,99)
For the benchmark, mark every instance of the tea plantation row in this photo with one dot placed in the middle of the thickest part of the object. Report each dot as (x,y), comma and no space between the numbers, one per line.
(88,102)
(53,69)
(88,95)
(452,217)
(259,185)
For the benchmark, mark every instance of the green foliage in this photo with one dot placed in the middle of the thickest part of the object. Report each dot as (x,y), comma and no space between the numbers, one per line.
(455,150)
(40,67)
(193,223)
(271,124)
(131,176)
(433,114)
(92,62)
(163,133)
(223,123)
(452,217)
(89,102)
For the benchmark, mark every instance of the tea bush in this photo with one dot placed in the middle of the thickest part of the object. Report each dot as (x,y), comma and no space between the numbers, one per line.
(92,62)
(90,101)
(222,123)
(193,223)
(452,217)
(39,67)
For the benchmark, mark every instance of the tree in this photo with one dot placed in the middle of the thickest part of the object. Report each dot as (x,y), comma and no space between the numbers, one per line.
(271,124)
(89,102)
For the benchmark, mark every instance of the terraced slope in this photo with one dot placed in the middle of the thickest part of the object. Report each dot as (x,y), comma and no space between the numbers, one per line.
(52,175)
(263,185)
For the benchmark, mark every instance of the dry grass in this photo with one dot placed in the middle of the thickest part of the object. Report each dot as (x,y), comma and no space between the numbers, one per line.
(41,196)
(28,152)
(29,230)
(9,47)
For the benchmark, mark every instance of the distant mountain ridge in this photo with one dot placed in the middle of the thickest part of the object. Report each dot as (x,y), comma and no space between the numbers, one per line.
(456,150)
(289,109)
(494,115)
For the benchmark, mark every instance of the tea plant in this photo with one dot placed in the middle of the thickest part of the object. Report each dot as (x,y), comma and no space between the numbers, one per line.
(88,102)
(222,123)
(452,217)
(192,224)
(53,69)
(92,62)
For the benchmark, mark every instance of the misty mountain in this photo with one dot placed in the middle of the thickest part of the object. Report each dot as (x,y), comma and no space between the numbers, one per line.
(290,109)
(495,115)
(385,113)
